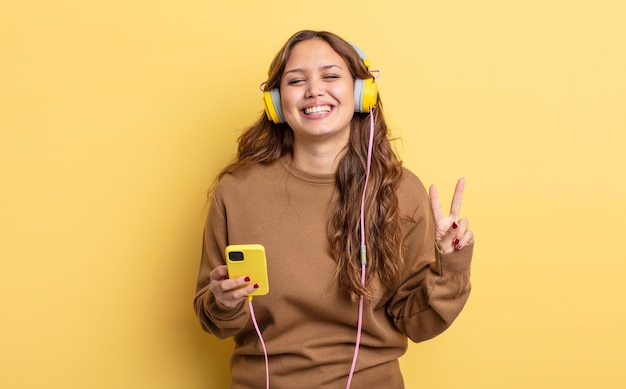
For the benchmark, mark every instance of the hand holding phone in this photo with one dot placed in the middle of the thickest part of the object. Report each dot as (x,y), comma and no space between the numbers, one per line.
(248,260)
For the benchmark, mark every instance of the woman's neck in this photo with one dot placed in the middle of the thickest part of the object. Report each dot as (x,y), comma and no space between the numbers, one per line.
(317,159)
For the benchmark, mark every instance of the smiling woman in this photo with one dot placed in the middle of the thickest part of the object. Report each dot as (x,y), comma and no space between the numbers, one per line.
(355,254)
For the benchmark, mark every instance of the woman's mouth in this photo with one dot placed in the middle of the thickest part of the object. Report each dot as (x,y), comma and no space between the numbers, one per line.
(319,109)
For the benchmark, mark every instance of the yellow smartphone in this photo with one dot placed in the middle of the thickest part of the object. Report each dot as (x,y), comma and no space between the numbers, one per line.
(248,260)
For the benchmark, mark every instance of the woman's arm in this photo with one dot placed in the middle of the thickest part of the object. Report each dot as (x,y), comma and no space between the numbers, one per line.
(436,286)
(219,303)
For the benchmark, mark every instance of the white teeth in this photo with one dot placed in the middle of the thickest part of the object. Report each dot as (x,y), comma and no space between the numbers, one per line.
(318,109)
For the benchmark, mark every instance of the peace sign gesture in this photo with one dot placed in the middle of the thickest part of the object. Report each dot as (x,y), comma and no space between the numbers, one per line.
(451,233)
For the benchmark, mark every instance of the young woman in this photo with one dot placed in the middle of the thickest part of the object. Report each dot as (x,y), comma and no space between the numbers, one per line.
(296,187)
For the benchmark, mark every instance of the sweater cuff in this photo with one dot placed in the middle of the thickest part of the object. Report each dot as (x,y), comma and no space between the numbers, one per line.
(221,312)
(456,262)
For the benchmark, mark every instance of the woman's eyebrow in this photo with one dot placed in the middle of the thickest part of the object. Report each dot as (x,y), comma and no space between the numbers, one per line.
(300,70)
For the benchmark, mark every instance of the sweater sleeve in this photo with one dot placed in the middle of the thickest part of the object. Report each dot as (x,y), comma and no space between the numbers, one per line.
(435,286)
(215,318)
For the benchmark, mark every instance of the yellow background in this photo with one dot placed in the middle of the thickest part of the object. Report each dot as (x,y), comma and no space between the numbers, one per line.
(116,115)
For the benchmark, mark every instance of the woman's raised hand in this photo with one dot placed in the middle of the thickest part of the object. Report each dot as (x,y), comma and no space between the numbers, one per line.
(451,232)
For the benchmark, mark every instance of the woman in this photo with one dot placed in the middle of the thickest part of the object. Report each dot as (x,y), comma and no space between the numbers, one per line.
(296,188)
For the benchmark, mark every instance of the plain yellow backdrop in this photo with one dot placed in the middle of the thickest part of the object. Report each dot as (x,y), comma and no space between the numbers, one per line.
(116,115)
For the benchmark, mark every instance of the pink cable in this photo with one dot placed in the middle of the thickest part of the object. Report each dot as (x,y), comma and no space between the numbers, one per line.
(258,332)
(363,252)
(367,176)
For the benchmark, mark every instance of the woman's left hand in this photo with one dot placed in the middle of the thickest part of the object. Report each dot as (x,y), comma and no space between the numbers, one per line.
(451,232)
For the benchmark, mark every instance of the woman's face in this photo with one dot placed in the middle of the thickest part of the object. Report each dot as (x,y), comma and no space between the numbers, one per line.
(317,93)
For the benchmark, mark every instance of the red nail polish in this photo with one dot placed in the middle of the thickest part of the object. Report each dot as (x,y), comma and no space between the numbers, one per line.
(456,242)
(457,247)
(454,225)
(256,286)
(247,279)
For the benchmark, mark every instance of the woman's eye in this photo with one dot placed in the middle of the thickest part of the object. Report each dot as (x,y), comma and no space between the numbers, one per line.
(331,76)
(295,81)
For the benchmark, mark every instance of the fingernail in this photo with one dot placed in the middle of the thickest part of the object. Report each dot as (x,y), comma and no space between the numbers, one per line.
(457,247)
(247,279)
(454,225)
(256,286)
(456,242)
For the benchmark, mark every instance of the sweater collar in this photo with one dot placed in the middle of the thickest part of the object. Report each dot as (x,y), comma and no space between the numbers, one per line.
(287,163)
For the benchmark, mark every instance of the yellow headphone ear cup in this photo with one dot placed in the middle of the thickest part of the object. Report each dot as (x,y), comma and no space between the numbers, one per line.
(370,94)
(365,95)
(273,105)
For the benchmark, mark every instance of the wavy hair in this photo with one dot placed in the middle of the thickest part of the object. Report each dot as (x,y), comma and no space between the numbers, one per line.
(265,142)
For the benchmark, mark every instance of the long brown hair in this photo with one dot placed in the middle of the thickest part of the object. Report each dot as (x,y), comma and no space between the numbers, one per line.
(264,142)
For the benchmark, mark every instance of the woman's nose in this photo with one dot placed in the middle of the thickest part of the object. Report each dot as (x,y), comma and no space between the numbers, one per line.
(314,88)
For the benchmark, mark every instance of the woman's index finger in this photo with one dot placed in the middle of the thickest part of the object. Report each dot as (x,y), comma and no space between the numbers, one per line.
(457,199)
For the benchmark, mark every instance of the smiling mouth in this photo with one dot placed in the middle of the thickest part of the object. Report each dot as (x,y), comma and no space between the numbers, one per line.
(317,110)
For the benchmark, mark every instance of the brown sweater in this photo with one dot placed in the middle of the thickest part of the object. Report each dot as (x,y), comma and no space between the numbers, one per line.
(308,326)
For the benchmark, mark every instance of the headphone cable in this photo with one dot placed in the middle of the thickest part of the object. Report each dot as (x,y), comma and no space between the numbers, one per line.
(363,249)
(258,332)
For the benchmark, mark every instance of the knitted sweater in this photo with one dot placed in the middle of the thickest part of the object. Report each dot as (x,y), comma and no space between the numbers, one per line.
(307,323)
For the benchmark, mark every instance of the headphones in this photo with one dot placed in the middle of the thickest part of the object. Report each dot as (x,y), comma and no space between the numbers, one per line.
(365,95)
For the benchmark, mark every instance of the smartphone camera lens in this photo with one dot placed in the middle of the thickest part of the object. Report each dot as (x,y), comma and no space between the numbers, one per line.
(235,256)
